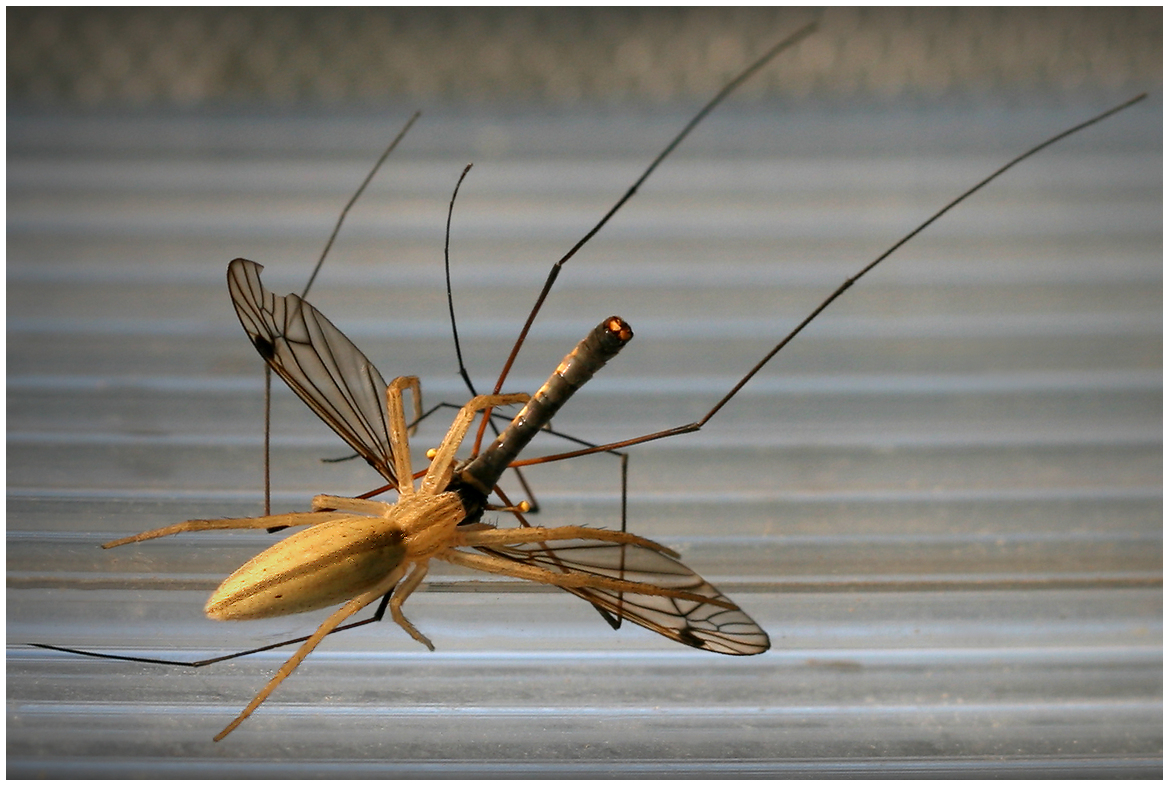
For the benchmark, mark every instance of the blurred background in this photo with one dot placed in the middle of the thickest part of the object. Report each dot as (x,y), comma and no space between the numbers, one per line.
(943,501)
(249,57)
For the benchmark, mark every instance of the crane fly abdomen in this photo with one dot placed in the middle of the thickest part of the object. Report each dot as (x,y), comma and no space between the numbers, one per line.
(332,562)
(588,357)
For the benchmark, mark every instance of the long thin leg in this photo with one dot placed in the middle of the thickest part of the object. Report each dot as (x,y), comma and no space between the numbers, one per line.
(450,299)
(353,200)
(335,619)
(194,664)
(788,42)
(555,271)
(279,521)
(698,424)
(312,277)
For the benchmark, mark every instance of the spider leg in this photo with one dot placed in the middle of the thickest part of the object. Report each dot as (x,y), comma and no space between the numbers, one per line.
(403,591)
(442,465)
(398,431)
(366,507)
(279,521)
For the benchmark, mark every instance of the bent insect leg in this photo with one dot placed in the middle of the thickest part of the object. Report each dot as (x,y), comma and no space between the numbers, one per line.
(378,615)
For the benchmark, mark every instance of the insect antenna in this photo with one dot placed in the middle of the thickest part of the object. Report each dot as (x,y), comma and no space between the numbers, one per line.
(698,424)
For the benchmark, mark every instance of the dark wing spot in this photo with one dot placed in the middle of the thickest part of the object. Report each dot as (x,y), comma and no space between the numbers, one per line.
(687,637)
(265,347)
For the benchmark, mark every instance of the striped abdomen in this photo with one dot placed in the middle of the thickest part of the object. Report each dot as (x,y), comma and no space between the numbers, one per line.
(577,368)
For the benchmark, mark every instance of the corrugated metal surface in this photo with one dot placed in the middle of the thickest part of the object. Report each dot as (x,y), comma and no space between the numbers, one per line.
(943,501)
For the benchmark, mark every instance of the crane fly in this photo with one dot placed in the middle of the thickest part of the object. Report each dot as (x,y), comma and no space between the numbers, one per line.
(357,551)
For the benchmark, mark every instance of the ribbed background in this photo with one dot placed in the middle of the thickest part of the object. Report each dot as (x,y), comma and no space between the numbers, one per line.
(943,501)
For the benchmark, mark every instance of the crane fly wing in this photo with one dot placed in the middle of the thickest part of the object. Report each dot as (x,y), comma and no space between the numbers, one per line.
(343,387)
(318,362)
(701,625)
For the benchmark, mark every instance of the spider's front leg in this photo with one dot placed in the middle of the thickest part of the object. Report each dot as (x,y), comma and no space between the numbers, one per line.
(398,432)
(438,477)
(276,521)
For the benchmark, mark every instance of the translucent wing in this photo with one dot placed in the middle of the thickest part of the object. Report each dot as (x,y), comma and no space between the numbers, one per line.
(317,361)
(702,625)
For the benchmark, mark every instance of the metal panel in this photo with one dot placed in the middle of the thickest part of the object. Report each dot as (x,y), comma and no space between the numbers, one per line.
(943,501)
